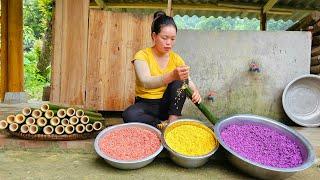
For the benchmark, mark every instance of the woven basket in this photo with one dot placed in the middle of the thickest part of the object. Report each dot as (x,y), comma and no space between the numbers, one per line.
(55,137)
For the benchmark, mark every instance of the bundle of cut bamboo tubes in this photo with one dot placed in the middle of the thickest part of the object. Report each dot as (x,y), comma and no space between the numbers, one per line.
(53,119)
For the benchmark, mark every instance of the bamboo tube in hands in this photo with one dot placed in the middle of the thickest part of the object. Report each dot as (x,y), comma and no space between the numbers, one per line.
(71,112)
(54,121)
(3,124)
(69,129)
(64,122)
(24,128)
(79,113)
(97,125)
(10,119)
(30,121)
(42,122)
(26,111)
(74,120)
(48,129)
(89,128)
(19,118)
(36,113)
(49,114)
(34,129)
(62,113)
(84,119)
(59,129)
(13,127)
(80,128)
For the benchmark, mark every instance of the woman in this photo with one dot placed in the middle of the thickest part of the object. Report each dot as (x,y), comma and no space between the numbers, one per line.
(160,74)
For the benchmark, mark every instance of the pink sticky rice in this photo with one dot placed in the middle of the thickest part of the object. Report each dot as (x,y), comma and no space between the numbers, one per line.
(130,143)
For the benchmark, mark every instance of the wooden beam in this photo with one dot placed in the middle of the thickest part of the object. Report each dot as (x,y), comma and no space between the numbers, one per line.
(306,21)
(4,50)
(169,8)
(263,21)
(15,46)
(199,7)
(268,6)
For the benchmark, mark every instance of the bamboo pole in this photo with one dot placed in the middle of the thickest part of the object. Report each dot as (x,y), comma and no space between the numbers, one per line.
(3,124)
(15,46)
(4,49)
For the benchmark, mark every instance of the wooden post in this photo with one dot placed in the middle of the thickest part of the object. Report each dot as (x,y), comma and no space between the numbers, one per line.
(4,49)
(15,46)
(169,8)
(263,21)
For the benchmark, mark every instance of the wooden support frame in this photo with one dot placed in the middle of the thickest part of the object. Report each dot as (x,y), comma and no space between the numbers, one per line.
(4,49)
(268,6)
(263,21)
(169,8)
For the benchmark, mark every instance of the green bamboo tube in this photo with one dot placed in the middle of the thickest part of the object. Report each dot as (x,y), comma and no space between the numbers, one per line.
(62,113)
(42,122)
(80,128)
(89,127)
(19,118)
(30,121)
(92,114)
(56,107)
(202,107)
(3,124)
(94,119)
(13,127)
(24,128)
(59,129)
(10,119)
(64,122)
(50,106)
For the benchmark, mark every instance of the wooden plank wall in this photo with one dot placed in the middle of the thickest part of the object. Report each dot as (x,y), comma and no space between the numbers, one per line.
(70,52)
(114,38)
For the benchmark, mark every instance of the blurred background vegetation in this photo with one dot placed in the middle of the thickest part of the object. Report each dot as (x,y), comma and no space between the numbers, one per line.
(37,33)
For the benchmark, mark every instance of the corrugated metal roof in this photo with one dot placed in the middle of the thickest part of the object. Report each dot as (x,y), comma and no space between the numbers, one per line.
(283,9)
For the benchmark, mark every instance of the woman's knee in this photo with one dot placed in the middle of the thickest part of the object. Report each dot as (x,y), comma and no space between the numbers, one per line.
(131,114)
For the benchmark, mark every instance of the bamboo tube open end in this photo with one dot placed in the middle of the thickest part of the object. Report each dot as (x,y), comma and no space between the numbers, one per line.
(24,128)
(19,118)
(59,129)
(48,129)
(33,129)
(36,113)
(62,113)
(13,127)
(26,111)
(69,129)
(79,113)
(30,121)
(71,112)
(64,122)
(54,121)
(80,128)
(49,114)
(89,128)
(44,107)
(10,119)
(97,126)
(42,121)
(74,120)
(84,119)
(3,124)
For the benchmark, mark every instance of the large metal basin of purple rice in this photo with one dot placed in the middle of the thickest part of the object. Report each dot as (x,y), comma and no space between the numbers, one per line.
(259,170)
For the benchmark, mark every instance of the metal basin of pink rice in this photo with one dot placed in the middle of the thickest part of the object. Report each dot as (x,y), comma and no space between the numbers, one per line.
(128,146)
(262,147)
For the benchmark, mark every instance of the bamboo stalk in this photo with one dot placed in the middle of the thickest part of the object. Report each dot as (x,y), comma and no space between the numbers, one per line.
(86,111)
(34,129)
(48,129)
(202,107)
(37,113)
(89,128)
(92,114)
(61,113)
(55,121)
(19,118)
(69,129)
(59,129)
(42,121)
(26,111)
(13,127)
(10,119)
(30,121)
(74,120)
(71,112)
(24,128)
(97,125)
(79,113)
(84,119)
(94,119)
(64,122)
(3,124)
(49,114)
(80,128)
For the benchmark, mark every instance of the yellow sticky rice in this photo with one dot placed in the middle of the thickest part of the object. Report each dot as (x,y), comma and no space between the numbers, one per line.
(190,138)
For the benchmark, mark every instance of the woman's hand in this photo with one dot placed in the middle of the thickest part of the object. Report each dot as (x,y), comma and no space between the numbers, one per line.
(181,73)
(196,98)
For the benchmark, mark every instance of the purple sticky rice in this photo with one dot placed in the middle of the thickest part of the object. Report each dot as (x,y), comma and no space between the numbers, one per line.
(262,145)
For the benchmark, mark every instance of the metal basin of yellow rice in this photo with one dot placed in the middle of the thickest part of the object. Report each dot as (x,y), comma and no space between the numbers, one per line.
(189,142)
